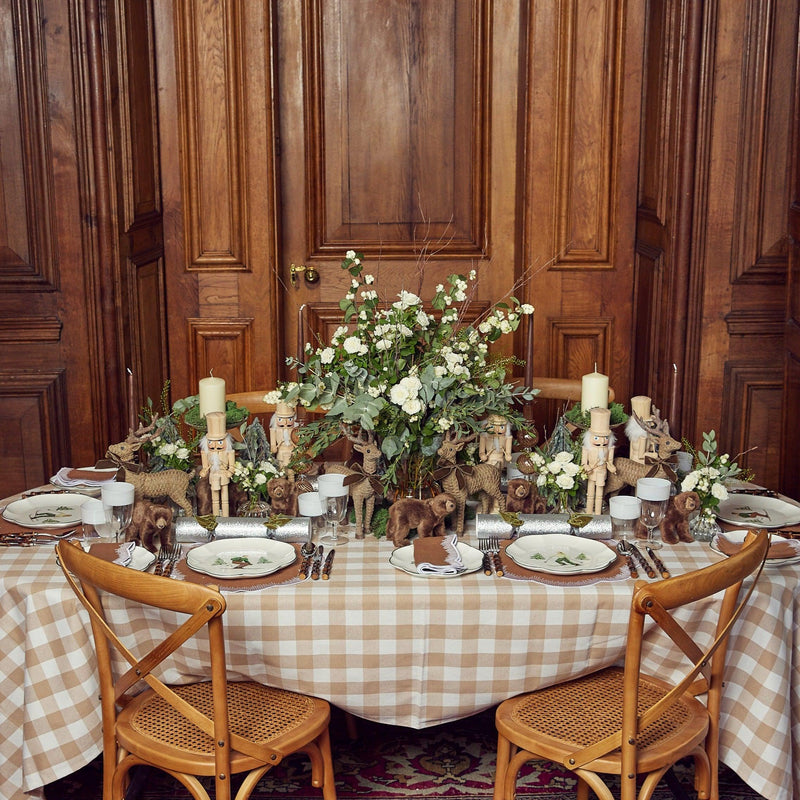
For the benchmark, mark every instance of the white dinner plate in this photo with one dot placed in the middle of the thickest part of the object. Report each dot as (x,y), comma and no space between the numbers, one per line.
(241,558)
(738,536)
(560,554)
(758,512)
(403,559)
(46,510)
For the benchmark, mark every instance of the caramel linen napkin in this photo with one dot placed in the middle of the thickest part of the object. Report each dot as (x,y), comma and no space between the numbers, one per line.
(780,548)
(438,555)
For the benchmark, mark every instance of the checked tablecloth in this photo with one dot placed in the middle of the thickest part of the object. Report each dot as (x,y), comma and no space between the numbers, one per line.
(394,648)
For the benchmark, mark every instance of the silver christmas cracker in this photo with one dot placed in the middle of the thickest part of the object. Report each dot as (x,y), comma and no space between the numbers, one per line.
(297,529)
(599,527)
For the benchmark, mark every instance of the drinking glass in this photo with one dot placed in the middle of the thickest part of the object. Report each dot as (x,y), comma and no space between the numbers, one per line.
(624,511)
(654,494)
(118,499)
(309,504)
(335,505)
(95,523)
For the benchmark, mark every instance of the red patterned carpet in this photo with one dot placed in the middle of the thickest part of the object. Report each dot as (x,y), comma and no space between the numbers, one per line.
(386,763)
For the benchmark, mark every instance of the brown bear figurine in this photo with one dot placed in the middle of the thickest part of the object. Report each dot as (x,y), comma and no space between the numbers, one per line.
(427,516)
(148,521)
(523,497)
(283,494)
(675,526)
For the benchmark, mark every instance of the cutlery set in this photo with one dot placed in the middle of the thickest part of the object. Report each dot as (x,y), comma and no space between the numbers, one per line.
(490,547)
(631,552)
(33,538)
(166,558)
(313,566)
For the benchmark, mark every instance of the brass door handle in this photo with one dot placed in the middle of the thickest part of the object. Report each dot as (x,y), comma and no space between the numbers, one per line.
(310,273)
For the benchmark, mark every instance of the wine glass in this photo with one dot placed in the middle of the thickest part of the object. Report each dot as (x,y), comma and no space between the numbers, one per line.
(654,494)
(335,505)
(118,499)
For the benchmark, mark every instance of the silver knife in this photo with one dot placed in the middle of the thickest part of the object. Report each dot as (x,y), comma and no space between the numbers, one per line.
(317,564)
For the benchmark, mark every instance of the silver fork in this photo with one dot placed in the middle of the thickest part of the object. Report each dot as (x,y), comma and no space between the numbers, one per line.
(174,554)
(162,556)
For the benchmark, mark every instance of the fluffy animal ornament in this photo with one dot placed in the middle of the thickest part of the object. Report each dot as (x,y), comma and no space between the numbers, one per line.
(675,526)
(427,516)
(150,521)
(523,497)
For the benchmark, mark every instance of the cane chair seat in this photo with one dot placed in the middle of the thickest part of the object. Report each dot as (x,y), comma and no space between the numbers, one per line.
(150,727)
(621,721)
(213,727)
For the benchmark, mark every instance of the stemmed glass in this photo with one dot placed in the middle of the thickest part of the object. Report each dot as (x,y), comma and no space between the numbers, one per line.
(654,494)
(118,499)
(335,512)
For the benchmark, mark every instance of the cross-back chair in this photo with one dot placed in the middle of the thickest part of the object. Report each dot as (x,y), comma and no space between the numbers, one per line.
(213,728)
(621,721)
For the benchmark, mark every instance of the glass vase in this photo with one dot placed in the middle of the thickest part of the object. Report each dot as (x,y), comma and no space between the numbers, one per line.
(704,526)
(254,506)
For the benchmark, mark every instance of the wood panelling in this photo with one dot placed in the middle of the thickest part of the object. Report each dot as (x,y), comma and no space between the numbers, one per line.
(713,196)
(223,347)
(210,49)
(581,119)
(751,407)
(397,145)
(35,431)
(27,258)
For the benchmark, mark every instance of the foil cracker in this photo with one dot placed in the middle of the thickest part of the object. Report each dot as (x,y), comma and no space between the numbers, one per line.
(297,529)
(599,527)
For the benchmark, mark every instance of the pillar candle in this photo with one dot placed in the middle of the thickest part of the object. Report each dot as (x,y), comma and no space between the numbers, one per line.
(212,395)
(594,391)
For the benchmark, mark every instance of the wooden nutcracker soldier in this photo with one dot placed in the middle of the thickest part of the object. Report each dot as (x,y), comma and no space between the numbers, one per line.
(496,441)
(282,442)
(218,457)
(597,458)
(638,427)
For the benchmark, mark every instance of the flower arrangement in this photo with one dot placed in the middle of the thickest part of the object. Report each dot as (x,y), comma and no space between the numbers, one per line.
(254,466)
(709,473)
(405,373)
(558,476)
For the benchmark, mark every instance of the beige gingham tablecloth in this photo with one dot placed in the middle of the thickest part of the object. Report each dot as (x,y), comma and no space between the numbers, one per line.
(391,647)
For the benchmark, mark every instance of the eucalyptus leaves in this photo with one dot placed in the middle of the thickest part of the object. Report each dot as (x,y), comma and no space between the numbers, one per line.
(405,372)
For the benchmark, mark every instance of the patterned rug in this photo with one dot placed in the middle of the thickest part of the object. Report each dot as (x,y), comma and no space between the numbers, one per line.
(386,763)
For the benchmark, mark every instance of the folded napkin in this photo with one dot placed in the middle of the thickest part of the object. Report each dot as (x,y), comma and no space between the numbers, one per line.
(69,477)
(780,548)
(437,555)
(125,553)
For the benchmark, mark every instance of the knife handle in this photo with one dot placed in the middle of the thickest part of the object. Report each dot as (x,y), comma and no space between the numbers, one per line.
(632,568)
(498,565)
(658,562)
(487,564)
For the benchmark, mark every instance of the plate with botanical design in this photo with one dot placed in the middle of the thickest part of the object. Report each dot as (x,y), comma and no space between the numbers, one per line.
(241,558)
(758,512)
(56,510)
(560,554)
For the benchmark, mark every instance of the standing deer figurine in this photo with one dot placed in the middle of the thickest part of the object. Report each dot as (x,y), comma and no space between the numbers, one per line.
(462,481)
(664,445)
(171,483)
(363,483)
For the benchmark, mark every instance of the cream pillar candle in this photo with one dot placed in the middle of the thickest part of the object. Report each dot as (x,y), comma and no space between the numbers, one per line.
(594,391)
(212,395)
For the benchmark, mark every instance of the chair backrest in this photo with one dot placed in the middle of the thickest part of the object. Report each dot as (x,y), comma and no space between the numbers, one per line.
(656,600)
(204,606)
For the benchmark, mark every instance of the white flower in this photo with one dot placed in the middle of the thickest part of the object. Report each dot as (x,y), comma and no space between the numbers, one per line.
(383,344)
(182,453)
(412,405)
(566,482)
(689,482)
(407,299)
(439,288)
(472,274)
(368,279)
(564,456)
(350,254)
(398,394)
(167,449)
(352,344)
(526,308)
(719,491)
(326,356)
(259,479)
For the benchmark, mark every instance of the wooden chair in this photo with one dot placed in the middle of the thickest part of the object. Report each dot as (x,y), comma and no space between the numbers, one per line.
(215,727)
(623,722)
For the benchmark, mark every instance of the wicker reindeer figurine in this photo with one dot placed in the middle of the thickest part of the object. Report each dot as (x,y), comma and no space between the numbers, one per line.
(664,445)
(171,483)
(463,481)
(364,485)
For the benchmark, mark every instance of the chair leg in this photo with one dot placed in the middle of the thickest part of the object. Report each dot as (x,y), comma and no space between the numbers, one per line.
(501,768)
(675,786)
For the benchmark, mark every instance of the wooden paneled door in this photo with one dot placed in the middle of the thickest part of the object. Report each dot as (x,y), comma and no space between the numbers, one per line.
(433,137)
